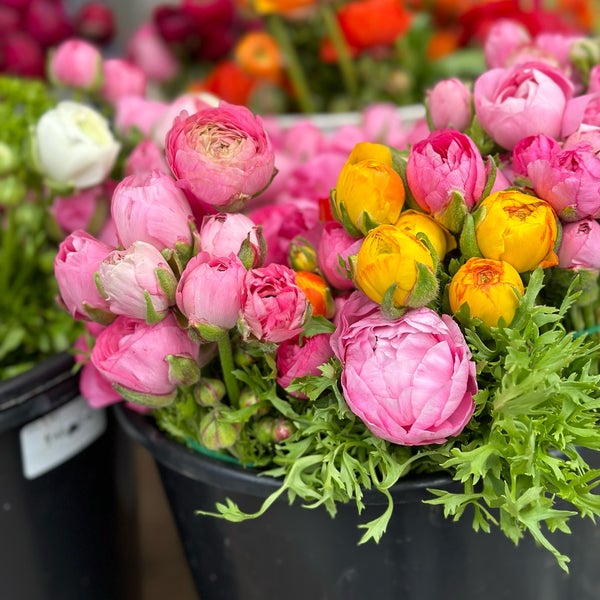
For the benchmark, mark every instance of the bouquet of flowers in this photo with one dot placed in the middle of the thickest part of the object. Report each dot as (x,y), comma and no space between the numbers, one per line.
(426,304)
(309,56)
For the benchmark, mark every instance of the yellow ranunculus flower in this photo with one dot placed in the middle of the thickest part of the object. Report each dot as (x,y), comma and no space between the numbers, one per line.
(368,193)
(439,237)
(488,287)
(266,7)
(389,256)
(365,150)
(517,228)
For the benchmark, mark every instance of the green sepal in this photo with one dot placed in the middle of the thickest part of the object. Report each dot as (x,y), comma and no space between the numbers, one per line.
(209,333)
(467,240)
(183,370)
(367,222)
(316,325)
(388,307)
(341,216)
(422,237)
(453,216)
(98,315)
(150,400)
(152,316)
(167,282)
(425,289)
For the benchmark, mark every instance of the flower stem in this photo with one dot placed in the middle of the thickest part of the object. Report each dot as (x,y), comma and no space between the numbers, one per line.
(293,65)
(227,366)
(342,52)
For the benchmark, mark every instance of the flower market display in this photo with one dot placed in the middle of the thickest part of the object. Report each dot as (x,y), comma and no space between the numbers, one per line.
(391,299)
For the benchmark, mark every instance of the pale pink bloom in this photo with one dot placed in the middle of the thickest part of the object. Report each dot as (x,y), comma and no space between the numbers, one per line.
(76,63)
(582,113)
(504,38)
(445,163)
(274,308)
(225,233)
(133,354)
(122,78)
(589,136)
(387,367)
(146,157)
(449,104)
(77,260)
(336,245)
(86,209)
(147,49)
(138,114)
(151,208)
(516,102)
(303,140)
(221,156)
(382,124)
(295,359)
(580,245)
(209,291)
(130,281)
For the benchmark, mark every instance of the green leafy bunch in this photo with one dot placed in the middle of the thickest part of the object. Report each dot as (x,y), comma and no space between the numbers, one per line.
(32,325)
(520,465)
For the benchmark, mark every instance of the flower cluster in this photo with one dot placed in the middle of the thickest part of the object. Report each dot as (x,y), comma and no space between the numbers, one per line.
(312,56)
(340,310)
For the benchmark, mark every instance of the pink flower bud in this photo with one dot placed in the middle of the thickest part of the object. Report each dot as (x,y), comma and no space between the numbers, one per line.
(449,104)
(76,63)
(504,38)
(149,51)
(137,282)
(145,158)
(579,245)
(335,247)
(217,433)
(122,78)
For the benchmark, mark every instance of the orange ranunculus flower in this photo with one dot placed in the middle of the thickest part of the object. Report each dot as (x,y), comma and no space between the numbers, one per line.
(368,23)
(368,191)
(417,222)
(488,287)
(442,43)
(266,7)
(258,54)
(389,256)
(318,293)
(228,82)
(517,228)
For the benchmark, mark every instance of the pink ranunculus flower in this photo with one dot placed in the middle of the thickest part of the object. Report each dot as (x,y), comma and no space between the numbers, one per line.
(229,233)
(445,163)
(96,389)
(209,292)
(526,99)
(504,38)
(335,246)
(76,63)
(221,156)
(87,209)
(532,148)
(295,359)
(382,124)
(580,245)
(448,103)
(133,354)
(77,260)
(582,113)
(386,377)
(569,181)
(274,308)
(122,78)
(144,158)
(138,282)
(151,208)
(594,80)
(138,114)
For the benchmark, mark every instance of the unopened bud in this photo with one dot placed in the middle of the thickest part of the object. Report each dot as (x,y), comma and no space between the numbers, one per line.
(216,433)
(183,370)
(209,391)
(302,255)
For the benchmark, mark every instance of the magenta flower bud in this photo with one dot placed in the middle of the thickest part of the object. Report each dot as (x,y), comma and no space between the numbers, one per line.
(526,99)
(149,207)
(274,308)
(530,149)
(209,293)
(76,63)
(77,260)
(22,55)
(448,103)
(48,22)
(580,245)
(294,359)
(386,376)
(122,78)
(282,429)
(335,247)
(444,166)
(224,234)
(504,38)
(222,156)
(132,356)
(95,21)
(137,282)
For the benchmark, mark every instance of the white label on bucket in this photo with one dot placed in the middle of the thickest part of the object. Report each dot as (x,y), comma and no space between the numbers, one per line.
(59,435)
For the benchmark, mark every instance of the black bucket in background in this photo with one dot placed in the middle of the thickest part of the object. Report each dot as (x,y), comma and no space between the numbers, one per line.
(68,526)
(297,553)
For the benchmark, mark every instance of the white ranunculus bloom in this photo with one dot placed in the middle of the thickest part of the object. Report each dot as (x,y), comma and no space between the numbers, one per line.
(74,145)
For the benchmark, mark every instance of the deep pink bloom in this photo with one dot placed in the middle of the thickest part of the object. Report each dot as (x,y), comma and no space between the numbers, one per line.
(132,354)
(77,64)
(122,78)
(530,149)
(150,207)
(522,100)
(222,156)
(209,291)
(131,285)
(580,245)
(335,246)
(295,359)
(449,104)
(77,260)
(387,368)
(21,54)
(47,21)
(95,21)
(149,51)
(274,308)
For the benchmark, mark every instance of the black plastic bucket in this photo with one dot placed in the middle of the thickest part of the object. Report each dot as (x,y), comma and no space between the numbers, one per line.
(297,553)
(67,495)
